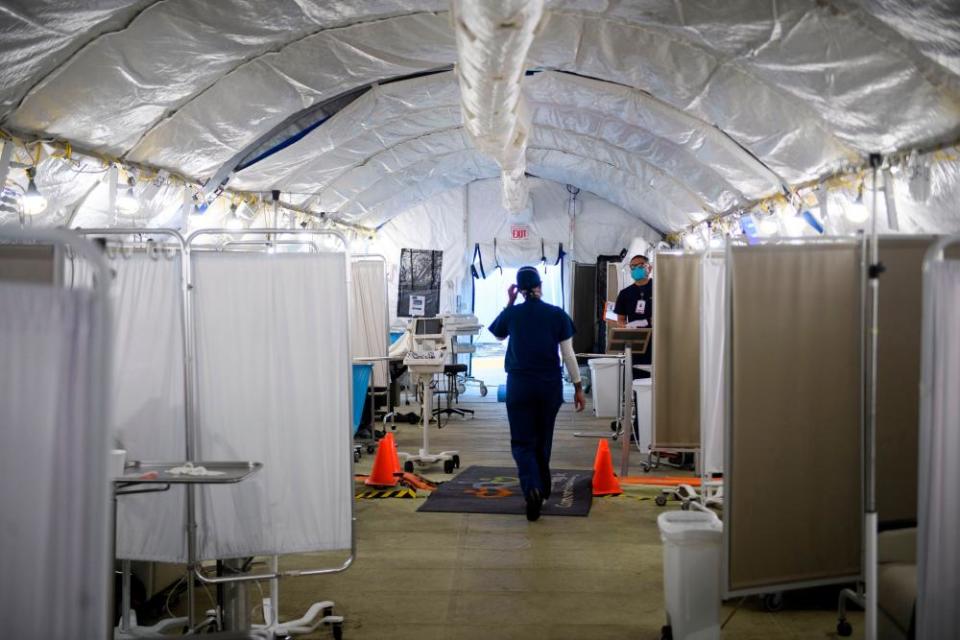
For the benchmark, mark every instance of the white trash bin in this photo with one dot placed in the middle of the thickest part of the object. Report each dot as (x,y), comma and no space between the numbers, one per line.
(604,379)
(691,573)
(643,401)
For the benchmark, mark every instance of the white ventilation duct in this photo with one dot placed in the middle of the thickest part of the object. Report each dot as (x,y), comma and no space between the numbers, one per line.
(493,39)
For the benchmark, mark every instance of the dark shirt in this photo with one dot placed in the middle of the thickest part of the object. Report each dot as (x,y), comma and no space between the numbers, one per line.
(535,329)
(636,303)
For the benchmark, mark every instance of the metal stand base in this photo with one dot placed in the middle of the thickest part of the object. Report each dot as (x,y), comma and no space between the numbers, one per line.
(319,613)
(450,459)
(133,630)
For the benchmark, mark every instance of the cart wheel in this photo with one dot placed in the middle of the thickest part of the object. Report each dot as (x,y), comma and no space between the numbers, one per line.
(661,500)
(337,631)
(844,629)
(645,467)
(483,390)
(685,505)
(356,456)
(666,632)
(327,611)
(773,601)
(448,466)
(456,461)
(408,466)
(371,448)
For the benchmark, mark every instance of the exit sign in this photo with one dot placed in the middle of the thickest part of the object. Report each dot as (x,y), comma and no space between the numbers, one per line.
(519,231)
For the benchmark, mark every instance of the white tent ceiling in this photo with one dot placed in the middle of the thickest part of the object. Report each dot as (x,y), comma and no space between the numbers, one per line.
(683,109)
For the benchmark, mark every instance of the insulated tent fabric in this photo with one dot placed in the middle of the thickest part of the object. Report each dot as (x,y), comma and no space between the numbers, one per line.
(149,418)
(827,83)
(54,525)
(938,558)
(368,328)
(793,482)
(273,386)
(676,351)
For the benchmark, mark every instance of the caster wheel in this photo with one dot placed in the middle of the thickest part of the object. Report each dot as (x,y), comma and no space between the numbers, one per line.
(613,426)
(356,456)
(661,500)
(448,466)
(456,461)
(483,390)
(327,611)
(408,466)
(685,505)
(371,448)
(338,632)
(773,601)
(666,632)
(461,389)
(844,629)
(645,467)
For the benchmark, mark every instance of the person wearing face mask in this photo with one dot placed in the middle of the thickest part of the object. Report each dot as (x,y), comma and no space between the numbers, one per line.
(540,336)
(634,306)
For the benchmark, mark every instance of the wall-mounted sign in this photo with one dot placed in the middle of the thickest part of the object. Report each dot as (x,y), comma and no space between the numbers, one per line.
(418,305)
(519,231)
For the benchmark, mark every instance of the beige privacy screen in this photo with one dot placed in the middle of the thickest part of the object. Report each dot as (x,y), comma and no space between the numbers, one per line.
(676,352)
(898,376)
(793,508)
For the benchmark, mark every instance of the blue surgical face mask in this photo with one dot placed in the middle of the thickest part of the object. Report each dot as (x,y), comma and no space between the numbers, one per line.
(638,273)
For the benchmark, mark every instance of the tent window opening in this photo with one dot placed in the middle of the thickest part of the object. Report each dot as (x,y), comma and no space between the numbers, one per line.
(419,283)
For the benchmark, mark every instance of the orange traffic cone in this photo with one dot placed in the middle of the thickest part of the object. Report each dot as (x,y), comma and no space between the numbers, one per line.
(394,456)
(604,481)
(384,465)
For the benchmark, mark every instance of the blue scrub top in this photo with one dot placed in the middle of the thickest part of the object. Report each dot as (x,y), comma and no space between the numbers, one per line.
(536,330)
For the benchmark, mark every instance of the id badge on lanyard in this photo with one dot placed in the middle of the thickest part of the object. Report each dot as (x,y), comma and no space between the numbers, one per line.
(641,306)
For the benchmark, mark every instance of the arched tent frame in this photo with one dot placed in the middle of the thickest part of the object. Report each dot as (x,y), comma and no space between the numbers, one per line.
(825,81)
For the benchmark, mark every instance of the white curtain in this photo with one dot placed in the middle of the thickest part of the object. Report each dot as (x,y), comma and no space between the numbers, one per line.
(368,330)
(148,396)
(273,385)
(938,581)
(713,330)
(54,523)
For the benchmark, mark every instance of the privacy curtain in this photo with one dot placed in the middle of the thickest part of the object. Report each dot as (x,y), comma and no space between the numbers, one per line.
(368,329)
(54,524)
(676,352)
(938,579)
(713,330)
(793,480)
(273,385)
(149,398)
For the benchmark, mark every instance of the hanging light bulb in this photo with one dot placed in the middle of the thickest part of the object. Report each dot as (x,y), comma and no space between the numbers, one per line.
(768,227)
(794,225)
(855,211)
(234,223)
(34,202)
(127,202)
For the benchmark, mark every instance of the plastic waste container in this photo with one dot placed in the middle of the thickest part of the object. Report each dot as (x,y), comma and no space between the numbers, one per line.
(691,573)
(643,401)
(604,380)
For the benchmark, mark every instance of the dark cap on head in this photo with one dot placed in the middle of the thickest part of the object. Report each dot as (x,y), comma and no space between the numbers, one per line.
(527,278)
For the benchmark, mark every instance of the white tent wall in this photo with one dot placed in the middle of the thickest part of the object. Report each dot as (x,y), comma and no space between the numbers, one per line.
(458,218)
(826,84)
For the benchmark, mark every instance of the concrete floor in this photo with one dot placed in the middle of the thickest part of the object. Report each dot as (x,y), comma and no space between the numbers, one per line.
(464,576)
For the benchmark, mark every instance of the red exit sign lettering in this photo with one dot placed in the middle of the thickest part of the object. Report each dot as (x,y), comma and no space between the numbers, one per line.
(519,231)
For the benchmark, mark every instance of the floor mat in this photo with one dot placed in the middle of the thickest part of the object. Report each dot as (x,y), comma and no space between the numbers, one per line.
(497,490)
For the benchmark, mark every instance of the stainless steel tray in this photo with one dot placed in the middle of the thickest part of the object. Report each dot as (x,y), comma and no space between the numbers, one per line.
(233,472)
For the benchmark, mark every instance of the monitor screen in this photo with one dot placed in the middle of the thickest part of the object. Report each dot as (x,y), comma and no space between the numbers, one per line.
(429,326)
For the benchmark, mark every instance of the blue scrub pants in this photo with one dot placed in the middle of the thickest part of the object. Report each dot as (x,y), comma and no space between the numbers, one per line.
(532,406)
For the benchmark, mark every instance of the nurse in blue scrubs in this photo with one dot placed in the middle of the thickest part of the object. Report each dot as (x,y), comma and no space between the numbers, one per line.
(540,336)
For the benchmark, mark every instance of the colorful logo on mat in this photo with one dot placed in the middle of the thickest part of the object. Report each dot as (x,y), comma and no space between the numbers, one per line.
(496,487)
